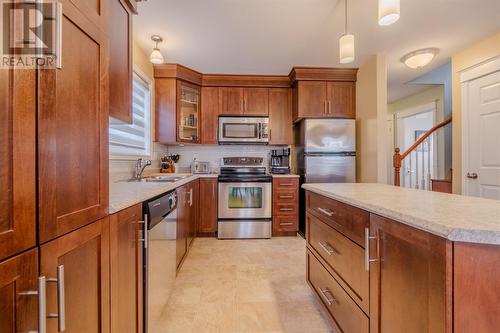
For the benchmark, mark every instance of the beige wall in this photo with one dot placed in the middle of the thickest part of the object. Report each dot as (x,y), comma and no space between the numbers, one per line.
(418,99)
(371,121)
(475,54)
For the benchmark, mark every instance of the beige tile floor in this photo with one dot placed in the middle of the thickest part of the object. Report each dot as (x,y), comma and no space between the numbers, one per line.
(229,286)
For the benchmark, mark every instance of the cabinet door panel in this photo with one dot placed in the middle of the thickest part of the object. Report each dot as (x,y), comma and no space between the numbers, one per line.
(84,254)
(120,68)
(311,99)
(125,255)
(19,274)
(231,101)
(256,101)
(207,222)
(17,153)
(341,98)
(73,130)
(95,10)
(193,208)
(408,282)
(209,115)
(280,116)
(182,220)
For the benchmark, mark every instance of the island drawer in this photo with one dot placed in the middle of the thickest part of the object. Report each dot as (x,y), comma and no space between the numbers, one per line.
(342,256)
(346,313)
(346,219)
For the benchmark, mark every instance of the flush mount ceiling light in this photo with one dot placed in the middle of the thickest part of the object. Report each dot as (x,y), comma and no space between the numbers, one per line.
(420,58)
(346,43)
(156,57)
(388,11)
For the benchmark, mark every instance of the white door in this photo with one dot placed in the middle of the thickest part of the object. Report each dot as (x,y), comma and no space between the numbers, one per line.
(482,137)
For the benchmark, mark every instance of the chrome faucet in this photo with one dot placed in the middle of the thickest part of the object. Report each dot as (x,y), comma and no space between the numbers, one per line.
(140,166)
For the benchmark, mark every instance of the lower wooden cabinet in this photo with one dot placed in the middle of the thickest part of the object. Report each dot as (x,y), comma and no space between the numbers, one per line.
(83,256)
(18,276)
(207,222)
(187,215)
(126,270)
(285,206)
(408,279)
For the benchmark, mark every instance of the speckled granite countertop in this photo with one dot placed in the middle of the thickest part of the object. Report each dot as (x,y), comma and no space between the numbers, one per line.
(124,194)
(454,217)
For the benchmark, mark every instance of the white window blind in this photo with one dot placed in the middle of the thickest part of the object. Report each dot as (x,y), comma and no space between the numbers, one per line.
(134,139)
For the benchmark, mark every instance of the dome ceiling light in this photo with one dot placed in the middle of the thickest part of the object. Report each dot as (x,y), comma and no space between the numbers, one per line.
(156,57)
(420,58)
(388,12)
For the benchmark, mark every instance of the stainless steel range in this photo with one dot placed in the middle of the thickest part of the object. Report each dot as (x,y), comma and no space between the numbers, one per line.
(245,198)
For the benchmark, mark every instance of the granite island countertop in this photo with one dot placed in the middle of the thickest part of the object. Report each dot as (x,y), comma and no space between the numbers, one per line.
(455,217)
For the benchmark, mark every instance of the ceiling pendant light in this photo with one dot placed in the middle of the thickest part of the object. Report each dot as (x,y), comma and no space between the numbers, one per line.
(346,43)
(388,11)
(156,57)
(420,58)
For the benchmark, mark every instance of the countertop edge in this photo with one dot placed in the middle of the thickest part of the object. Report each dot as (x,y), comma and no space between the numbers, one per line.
(452,234)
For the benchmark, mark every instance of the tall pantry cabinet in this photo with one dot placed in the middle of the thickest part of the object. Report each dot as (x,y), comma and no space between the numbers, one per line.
(59,281)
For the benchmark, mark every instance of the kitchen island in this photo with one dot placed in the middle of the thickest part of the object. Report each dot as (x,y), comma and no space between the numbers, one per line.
(389,259)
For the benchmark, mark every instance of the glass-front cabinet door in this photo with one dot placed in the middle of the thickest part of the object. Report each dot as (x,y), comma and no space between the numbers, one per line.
(188,116)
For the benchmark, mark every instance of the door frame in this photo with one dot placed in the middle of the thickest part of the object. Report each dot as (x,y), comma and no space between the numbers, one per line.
(467,75)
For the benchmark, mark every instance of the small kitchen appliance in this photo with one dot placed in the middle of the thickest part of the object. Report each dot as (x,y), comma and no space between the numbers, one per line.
(199,167)
(279,163)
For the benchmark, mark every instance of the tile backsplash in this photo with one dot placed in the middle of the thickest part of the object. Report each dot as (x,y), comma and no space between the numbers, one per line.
(214,154)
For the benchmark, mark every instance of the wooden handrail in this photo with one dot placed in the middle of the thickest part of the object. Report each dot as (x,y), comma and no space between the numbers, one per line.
(397,158)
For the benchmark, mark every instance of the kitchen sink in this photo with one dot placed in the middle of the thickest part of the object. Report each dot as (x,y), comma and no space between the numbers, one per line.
(160,179)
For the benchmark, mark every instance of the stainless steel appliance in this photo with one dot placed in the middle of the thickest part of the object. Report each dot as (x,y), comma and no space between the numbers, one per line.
(200,167)
(245,198)
(243,130)
(279,163)
(159,257)
(325,153)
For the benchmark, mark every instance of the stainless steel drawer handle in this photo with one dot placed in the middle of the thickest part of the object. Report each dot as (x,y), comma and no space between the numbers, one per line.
(42,303)
(368,260)
(286,209)
(327,296)
(327,248)
(286,223)
(327,211)
(61,307)
(144,238)
(285,184)
(286,196)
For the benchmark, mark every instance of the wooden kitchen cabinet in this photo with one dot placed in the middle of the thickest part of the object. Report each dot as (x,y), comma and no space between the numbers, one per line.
(84,256)
(193,199)
(17,151)
(126,231)
(209,115)
(207,222)
(280,116)
(312,100)
(341,99)
(188,112)
(73,125)
(18,275)
(244,101)
(408,279)
(187,218)
(285,206)
(120,64)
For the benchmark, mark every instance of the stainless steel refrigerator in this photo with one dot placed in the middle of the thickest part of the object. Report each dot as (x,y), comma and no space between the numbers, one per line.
(325,152)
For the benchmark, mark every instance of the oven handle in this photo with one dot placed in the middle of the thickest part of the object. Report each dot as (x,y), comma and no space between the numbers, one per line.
(247,180)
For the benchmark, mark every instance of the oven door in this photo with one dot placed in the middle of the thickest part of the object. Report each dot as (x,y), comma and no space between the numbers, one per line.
(243,130)
(245,200)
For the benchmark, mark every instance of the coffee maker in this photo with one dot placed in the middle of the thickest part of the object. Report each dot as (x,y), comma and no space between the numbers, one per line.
(279,163)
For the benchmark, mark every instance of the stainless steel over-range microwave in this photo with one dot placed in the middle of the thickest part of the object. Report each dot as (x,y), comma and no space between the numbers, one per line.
(243,130)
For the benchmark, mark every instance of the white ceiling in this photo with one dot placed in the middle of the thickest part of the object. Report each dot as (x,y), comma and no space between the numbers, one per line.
(272,36)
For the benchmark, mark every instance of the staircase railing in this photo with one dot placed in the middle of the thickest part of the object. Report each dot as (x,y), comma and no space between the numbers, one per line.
(422,171)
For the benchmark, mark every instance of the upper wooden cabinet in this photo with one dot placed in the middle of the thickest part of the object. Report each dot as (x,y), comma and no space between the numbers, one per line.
(244,101)
(120,64)
(323,92)
(408,279)
(17,152)
(280,116)
(126,270)
(83,255)
(73,128)
(209,115)
(18,275)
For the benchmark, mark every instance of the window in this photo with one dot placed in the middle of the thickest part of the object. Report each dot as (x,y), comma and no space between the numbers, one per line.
(132,140)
